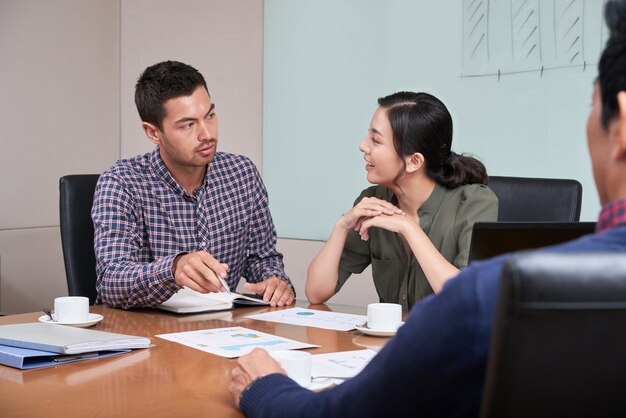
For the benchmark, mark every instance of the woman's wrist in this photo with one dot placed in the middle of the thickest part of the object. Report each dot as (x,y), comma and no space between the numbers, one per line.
(341,225)
(409,227)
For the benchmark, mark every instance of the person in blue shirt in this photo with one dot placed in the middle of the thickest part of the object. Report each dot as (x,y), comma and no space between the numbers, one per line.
(435,366)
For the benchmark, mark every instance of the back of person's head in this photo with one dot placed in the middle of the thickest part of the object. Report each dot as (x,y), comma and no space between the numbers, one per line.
(612,67)
(422,124)
(161,82)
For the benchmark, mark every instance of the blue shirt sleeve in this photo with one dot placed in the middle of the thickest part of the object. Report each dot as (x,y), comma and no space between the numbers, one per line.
(435,366)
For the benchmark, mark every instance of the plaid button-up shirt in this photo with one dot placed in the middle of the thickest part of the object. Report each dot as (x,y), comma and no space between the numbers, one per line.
(612,214)
(143,219)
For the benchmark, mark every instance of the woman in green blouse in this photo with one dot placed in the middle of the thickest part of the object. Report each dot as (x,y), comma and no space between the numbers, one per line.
(414,227)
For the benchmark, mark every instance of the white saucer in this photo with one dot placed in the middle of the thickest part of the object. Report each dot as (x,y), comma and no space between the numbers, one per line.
(377,332)
(320,384)
(371,343)
(93,319)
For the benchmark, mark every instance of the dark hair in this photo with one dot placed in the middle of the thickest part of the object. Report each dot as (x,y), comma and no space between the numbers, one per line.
(161,82)
(421,123)
(612,67)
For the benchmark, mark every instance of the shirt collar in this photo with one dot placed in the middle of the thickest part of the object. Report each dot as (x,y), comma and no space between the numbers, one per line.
(160,169)
(613,214)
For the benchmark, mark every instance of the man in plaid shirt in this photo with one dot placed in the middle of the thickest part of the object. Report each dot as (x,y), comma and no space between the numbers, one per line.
(184,214)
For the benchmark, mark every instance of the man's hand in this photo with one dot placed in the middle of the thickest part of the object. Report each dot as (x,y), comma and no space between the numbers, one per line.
(199,271)
(274,290)
(257,363)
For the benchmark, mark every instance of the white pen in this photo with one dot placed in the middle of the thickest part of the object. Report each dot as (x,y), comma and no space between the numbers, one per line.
(224,284)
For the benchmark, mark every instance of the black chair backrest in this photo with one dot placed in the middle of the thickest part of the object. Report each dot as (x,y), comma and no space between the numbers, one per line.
(76,199)
(558,346)
(537,199)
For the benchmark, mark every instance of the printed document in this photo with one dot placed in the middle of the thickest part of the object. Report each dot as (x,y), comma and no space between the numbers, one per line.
(313,318)
(233,342)
(340,366)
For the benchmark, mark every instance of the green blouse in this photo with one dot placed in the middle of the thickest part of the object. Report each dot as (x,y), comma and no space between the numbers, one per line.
(447,218)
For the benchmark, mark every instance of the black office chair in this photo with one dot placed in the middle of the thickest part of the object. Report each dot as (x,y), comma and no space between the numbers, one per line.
(558,346)
(76,199)
(537,199)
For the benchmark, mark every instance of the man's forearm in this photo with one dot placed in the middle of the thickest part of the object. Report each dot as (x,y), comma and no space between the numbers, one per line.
(131,285)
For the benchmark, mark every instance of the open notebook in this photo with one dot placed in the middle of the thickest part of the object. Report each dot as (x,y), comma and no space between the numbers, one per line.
(190,301)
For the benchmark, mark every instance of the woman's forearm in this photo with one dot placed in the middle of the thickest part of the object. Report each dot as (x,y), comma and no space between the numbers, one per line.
(323,272)
(436,268)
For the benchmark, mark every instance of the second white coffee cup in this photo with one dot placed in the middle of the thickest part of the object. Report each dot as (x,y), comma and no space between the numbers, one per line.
(384,316)
(297,364)
(71,309)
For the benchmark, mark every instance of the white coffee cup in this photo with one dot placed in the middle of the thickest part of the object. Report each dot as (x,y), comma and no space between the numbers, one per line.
(384,316)
(297,364)
(71,309)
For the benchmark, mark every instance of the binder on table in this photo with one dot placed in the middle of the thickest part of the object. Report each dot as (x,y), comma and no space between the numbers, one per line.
(26,358)
(62,339)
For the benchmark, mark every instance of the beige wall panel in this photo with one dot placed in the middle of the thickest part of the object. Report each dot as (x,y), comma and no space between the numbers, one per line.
(59,84)
(359,289)
(31,269)
(223,39)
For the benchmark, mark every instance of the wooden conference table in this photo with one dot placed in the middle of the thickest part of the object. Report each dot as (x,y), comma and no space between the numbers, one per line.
(167,380)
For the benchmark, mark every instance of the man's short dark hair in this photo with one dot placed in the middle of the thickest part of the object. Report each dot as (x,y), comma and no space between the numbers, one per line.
(161,82)
(612,67)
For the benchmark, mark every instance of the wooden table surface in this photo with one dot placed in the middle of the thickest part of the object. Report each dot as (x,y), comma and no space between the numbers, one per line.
(167,380)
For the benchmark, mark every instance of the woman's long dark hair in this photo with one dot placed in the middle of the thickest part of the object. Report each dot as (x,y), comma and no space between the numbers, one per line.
(421,123)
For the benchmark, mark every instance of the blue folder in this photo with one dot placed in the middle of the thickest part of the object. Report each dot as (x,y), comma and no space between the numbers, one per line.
(26,358)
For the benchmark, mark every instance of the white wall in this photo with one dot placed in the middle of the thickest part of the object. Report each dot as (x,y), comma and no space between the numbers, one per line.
(59,84)
(223,39)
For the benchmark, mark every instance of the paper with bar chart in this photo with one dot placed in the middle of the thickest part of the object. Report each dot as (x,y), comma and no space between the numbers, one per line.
(233,342)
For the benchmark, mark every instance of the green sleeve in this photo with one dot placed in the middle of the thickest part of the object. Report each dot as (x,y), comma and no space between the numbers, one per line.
(478,203)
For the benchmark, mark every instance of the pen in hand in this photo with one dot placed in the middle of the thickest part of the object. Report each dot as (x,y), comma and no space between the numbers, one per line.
(224,284)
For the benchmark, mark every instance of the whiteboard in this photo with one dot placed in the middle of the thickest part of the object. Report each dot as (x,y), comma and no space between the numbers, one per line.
(519,97)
